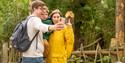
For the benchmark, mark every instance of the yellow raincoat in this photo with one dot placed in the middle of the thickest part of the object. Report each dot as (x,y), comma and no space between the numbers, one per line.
(61,45)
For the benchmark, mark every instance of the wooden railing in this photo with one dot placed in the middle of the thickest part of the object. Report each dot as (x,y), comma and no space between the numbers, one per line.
(9,55)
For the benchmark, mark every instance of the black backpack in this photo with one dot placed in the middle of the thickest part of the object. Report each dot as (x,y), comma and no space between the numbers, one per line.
(20,39)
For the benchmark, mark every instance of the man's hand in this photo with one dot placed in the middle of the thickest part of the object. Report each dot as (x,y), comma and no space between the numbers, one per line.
(58,26)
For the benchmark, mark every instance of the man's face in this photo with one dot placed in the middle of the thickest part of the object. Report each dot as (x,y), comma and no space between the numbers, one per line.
(41,11)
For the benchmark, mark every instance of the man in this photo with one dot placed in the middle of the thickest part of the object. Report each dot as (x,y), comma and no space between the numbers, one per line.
(35,53)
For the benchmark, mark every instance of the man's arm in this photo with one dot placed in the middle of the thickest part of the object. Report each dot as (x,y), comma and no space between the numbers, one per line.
(38,25)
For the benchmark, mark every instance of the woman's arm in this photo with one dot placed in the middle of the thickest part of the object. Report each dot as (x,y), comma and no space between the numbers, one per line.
(69,37)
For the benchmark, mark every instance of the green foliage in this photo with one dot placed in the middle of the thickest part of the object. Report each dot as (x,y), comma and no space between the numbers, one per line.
(12,11)
(92,18)
(63,5)
(105,59)
(75,59)
(94,14)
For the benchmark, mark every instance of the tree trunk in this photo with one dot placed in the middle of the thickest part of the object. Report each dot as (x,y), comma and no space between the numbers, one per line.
(120,9)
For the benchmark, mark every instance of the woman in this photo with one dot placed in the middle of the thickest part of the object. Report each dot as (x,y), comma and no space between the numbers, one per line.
(61,41)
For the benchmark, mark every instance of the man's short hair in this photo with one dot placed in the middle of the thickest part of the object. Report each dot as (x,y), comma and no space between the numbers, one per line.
(36,4)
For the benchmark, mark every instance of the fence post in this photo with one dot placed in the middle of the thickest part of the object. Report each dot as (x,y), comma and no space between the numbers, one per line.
(5,53)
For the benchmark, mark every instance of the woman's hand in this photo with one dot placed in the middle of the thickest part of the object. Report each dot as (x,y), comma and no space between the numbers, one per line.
(68,21)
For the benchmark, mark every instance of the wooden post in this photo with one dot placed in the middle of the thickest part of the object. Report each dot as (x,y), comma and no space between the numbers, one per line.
(5,53)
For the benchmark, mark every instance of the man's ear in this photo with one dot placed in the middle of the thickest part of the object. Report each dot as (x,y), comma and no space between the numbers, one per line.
(34,9)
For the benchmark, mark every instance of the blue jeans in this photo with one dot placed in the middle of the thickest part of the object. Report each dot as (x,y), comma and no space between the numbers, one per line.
(32,60)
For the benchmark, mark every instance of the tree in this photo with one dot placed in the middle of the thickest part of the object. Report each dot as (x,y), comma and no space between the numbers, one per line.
(11,13)
(120,15)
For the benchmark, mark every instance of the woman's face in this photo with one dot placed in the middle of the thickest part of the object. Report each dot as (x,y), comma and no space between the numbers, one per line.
(56,18)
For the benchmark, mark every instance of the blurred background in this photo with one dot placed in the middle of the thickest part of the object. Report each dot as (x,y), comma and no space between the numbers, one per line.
(93,19)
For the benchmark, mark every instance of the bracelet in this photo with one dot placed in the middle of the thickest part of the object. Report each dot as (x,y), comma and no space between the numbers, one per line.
(51,28)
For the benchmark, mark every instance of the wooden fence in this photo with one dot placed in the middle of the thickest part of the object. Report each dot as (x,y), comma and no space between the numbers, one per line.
(9,55)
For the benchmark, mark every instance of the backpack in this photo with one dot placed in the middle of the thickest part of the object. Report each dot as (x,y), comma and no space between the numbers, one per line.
(20,39)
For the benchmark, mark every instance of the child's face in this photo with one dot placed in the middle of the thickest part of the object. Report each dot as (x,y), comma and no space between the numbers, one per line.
(45,14)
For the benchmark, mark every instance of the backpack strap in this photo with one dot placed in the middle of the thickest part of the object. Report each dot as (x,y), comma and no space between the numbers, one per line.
(35,36)
(26,25)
